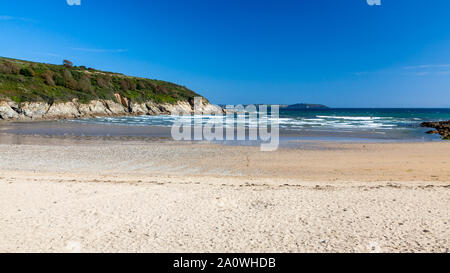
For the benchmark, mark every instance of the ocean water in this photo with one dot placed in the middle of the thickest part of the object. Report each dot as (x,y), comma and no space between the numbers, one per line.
(363,124)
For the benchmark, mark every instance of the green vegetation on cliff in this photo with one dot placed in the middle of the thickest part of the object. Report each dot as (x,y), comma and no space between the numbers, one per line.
(23,81)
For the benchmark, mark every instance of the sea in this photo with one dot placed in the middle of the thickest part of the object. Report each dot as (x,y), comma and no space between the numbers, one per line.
(338,124)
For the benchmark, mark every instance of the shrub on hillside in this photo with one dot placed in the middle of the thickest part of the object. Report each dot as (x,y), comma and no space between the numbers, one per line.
(9,68)
(59,80)
(101,82)
(4,69)
(84,84)
(124,85)
(69,81)
(131,84)
(161,90)
(141,85)
(48,78)
(27,72)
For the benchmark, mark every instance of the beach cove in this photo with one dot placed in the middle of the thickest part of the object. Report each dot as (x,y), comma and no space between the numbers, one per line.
(63,194)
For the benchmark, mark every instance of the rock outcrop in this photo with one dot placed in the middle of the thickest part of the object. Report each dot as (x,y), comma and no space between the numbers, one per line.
(63,110)
(442,128)
(35,110)
(115,108)
(11,111)
(7,112)
(138,108)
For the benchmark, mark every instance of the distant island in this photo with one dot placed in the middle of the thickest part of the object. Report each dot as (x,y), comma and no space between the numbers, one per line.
(303,106)
(297,106)
(31,90)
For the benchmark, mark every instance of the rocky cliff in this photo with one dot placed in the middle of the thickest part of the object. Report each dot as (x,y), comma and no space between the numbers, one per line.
(36,91)
(442,128)
(27,111)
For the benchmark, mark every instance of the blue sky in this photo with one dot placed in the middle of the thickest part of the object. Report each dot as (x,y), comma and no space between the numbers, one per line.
(343,53)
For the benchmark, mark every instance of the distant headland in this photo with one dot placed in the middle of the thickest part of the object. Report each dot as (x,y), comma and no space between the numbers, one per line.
(297,106)
(303,106)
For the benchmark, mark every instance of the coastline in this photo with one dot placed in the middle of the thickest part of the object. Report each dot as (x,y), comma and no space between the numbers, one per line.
(79,128)
(152,196)
(341,125)
(43,111)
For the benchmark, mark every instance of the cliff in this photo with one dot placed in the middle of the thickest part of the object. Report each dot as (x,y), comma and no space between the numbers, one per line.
(27,111)
(31,91)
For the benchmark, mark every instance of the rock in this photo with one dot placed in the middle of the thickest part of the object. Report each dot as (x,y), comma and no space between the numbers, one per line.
(94,108)
(442,128)
(153,108)
(181,107)
(34,110)
(63,110)
(6,112)
(10,110)
(206,108)
(115,108)
(122,100)
(212,109)
(15,107)
(138,108)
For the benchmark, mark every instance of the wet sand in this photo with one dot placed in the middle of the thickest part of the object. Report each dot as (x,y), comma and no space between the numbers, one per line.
(288,137)
(114,195)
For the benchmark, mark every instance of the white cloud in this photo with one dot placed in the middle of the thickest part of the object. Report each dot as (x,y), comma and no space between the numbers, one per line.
(97,50)
(422,73)
(413,70)
(428,69)
(360,73)
(428,66)
(74,2)
(47,54)
(6,18)
(12,18)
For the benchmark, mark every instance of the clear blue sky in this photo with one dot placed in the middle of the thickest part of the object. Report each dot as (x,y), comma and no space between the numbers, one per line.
(343,53)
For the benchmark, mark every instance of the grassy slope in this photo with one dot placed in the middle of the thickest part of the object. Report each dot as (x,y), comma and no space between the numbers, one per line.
(29,81)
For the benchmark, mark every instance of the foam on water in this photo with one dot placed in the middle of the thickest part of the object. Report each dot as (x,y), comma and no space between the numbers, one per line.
(338,120)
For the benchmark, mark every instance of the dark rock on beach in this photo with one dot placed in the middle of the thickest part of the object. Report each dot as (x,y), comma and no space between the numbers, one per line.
(442,128)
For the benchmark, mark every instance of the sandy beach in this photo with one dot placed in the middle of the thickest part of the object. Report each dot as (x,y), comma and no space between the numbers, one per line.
(114,195)
(224,127)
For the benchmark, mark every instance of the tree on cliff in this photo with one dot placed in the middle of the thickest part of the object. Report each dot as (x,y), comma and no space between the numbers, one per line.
(67,63)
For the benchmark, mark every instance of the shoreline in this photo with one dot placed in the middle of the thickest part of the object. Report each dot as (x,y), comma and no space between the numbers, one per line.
(288,137)
(60,110)
(309,160)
